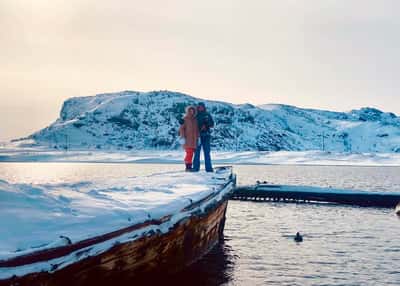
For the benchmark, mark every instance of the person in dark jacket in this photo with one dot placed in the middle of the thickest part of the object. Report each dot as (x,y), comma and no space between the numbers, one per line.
(205,123)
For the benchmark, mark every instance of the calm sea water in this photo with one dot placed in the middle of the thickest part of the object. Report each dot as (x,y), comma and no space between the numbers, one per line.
(342,245)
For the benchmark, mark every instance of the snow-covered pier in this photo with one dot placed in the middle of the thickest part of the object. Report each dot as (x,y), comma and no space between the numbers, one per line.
(80,233)
(285,193)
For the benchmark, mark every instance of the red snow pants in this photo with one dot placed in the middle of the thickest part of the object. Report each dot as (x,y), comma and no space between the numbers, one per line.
(189,155)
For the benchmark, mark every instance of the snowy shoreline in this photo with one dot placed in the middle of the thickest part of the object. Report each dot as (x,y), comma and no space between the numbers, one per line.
(313,158)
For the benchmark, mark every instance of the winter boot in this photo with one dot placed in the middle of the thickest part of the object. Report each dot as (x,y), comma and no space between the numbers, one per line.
(188,168)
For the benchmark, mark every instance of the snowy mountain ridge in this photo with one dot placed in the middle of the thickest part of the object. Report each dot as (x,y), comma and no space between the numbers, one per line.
(149,120)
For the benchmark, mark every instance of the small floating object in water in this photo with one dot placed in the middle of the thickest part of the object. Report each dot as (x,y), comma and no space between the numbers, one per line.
(298,237)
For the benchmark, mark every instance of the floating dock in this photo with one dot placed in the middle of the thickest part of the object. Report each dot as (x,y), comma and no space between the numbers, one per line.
(297,194)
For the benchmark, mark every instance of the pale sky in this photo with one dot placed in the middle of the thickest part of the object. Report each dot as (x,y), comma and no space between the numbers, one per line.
(327,54)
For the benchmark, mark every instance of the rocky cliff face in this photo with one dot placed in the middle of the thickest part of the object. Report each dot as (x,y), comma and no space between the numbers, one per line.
(146,120)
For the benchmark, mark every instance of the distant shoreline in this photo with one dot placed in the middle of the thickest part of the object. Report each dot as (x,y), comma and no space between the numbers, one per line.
(304,158)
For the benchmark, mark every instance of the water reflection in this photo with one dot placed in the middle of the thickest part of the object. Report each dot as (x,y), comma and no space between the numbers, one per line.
(216,268)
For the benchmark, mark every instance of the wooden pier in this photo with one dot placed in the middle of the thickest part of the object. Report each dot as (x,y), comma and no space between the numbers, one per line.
(298,194)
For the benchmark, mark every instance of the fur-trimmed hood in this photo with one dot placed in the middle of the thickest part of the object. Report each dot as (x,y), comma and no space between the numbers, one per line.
(187,111)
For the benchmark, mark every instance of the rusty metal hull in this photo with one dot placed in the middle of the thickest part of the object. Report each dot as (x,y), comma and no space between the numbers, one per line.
(145,258)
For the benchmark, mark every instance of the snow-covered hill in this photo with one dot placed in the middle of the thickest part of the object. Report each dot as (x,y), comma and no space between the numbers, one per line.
(149,120)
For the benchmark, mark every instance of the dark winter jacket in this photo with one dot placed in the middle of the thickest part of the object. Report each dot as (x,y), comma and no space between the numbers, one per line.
(205,122)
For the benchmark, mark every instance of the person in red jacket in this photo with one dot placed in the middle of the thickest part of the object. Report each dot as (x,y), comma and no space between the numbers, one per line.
(189,132)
